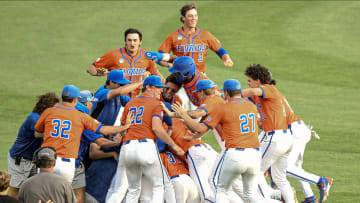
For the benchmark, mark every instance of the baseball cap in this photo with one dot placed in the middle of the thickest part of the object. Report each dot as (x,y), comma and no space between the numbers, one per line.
(46,153)
(86,96)
(118,77)
(71,91)
(231,84)
(204,85)
(153,80)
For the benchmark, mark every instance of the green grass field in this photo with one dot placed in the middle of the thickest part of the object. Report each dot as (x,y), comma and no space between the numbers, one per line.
(312,49)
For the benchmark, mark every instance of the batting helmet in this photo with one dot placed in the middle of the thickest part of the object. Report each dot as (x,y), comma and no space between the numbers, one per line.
(184,65)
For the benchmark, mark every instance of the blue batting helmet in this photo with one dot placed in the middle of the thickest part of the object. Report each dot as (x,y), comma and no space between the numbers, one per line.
(184,65)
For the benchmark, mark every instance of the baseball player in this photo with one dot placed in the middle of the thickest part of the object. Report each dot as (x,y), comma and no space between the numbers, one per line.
(21,153)
(62,126)
(169,93)
(302,135)
(140,153)
(185,70)
(131,59)
(277,142)
(242,155)
(185,189)
(192,41)
(88,137)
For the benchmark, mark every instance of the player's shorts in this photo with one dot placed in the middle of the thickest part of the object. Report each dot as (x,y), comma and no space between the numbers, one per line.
(79,177)
(19,173)
(90,199)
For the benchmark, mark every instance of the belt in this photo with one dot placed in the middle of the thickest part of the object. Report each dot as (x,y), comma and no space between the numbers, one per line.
(142,140)
(65,159)
(197,145)
(242,149)
(273,132)
(176,176)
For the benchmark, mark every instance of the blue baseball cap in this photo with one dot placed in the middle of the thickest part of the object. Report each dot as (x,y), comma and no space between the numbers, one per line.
(86,96)
(153,80)
(231,84)
(118,77)
(71,91)
(204,85)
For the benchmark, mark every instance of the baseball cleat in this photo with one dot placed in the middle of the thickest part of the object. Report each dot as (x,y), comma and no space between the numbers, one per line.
(311,199)
(324,187)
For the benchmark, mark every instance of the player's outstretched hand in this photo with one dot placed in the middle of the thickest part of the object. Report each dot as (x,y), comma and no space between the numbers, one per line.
(228,63)
(189,138)
(114,155)
(129,119)
(313,132)
(179,109)
(178,150)
(118,138)
(167,111)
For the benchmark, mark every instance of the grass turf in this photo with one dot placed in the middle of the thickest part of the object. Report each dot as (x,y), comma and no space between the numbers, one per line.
(311,47)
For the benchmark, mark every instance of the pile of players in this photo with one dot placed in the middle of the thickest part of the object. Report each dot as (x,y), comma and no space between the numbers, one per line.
(133,140)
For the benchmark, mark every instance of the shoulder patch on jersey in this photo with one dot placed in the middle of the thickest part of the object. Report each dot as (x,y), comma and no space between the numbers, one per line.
(203,104)
(97,121)
(98,59)
(121,60)
(162,114)
(208,118)
(179,37)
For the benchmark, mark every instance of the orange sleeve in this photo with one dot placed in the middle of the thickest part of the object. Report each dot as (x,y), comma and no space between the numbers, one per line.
(90,123)
(152,67)
(105,61)
(214,43)
(166,45)
(158,111)
(40,124)
(213,118)
(267,92)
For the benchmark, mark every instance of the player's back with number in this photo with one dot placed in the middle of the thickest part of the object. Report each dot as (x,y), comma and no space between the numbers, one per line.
(143,108)
(63,127)
(238,122)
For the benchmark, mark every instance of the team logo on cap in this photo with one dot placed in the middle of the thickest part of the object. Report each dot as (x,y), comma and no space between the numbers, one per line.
(121,60)
(179,37)
(238,87)
(98,59)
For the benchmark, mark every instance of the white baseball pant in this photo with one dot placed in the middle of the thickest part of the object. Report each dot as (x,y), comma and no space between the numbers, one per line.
(65,167)
(302,135)
(275,149)
(200,160)
(239,162)
(142,158)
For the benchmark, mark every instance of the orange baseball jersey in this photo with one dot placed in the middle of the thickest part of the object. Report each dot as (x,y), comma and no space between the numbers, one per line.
(237,119)
(144,108)
(133,67)
(195,45)
(179,132)
(191,86)
(174,166)
(271,108)
(290,115)
(62,127)
(174,100)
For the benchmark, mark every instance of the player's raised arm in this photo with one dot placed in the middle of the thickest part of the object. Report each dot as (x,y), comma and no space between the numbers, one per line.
(192,125)
(92,70)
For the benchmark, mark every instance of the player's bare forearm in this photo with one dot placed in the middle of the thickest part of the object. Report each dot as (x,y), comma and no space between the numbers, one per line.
(192,125)
(197,113)
(92,70)
(123,90)
(103,142)
(106,129)
(95,153)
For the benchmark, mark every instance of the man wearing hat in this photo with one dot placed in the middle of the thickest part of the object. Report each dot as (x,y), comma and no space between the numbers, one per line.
(62,126)
(237,119)
(46,185)
(140,154)
(111,96)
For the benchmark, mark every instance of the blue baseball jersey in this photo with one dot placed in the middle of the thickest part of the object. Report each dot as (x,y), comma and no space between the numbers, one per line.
(26,143)
(107,110)
(99,176)
(87,137)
